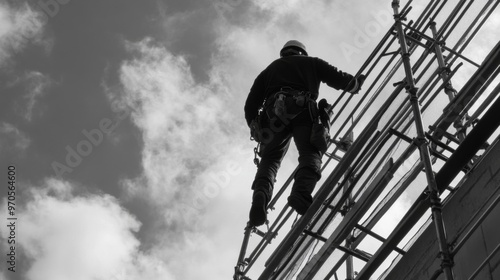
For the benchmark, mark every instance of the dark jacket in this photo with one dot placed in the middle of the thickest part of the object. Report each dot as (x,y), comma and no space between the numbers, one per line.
(299,72)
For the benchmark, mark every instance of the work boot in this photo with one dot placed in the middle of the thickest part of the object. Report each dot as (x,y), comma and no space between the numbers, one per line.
(299,203)
(258,212)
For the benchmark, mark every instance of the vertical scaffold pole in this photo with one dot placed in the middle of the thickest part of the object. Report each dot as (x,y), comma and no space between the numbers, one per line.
(349,240)
(448,88)
(240,266)
(435,201)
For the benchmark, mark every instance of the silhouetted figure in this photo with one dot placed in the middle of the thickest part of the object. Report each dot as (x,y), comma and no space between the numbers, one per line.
(282,105)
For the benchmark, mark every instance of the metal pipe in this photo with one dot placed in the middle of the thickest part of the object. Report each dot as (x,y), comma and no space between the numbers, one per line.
(466,33)
(428,9)
(370,58)
(378,91)
(378,237)
(424,97)
(298,254)
(345,227)
(473,142)
(412,90)
(463,154)
(336,209)
(263,244)
(313,268)
(436,13)
(402,112)
(425,13)
(479,93)
(324,191)
(371,157)
(238,269)
(322,228)
(494,94)
(448,88)
(415,172)
(336,267)
(452,51)
(473,85)
(485,262)
(349,260)
(441,31)
(367,62)
(281,190)
(346,194)
(376,94)
(459,245)
(324,165)
(436,274)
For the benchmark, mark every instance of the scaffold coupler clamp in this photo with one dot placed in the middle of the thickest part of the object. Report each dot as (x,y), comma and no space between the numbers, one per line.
(447,261)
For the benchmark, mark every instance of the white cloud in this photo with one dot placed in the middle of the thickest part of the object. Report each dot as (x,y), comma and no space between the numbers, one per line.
(35,85)
(322,25)
(86,236)
(12,137)
(190,133)
(180,120)
(19,25)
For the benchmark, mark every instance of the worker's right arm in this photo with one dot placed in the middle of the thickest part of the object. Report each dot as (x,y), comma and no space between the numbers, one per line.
(255,98)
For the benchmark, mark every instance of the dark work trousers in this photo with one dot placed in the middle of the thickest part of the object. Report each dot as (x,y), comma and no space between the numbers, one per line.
(279,133)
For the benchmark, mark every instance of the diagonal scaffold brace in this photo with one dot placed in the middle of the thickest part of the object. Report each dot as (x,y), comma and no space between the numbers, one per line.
(435,201)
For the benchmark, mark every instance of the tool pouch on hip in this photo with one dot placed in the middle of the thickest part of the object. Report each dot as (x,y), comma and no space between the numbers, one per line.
(320,133)
(280,106)
(320,136)
(256,129)
(286,104)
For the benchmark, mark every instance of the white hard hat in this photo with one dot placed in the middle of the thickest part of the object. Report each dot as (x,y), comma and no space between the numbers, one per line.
(295,45)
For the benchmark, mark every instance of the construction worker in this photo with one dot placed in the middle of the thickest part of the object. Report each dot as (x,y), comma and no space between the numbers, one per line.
(281,105)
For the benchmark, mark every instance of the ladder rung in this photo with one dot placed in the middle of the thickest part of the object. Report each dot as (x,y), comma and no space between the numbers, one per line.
(438,143)
(362,255)
(378,237)
(400,135)
(315,235)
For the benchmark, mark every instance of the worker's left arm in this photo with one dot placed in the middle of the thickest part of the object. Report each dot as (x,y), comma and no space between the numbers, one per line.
(337,79)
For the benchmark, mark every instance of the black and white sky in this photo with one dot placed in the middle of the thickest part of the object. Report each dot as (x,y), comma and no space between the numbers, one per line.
(124,121)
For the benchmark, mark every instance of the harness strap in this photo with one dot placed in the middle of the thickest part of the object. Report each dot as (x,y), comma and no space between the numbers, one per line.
(281,99)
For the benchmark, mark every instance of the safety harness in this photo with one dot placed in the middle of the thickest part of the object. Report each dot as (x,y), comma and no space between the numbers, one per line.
(283,106)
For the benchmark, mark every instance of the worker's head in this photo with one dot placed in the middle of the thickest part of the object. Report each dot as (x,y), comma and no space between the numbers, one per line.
(293,47)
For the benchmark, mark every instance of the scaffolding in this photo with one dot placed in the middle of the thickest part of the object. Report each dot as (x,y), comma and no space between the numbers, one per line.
(393,156)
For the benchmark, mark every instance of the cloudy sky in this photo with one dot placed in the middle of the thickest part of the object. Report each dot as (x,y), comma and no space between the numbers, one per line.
(124,121)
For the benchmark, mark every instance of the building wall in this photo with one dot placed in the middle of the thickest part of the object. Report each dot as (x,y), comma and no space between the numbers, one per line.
(459,213)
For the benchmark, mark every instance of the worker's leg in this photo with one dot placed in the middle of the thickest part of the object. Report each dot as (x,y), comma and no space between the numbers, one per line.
(309,169)
(272,154)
